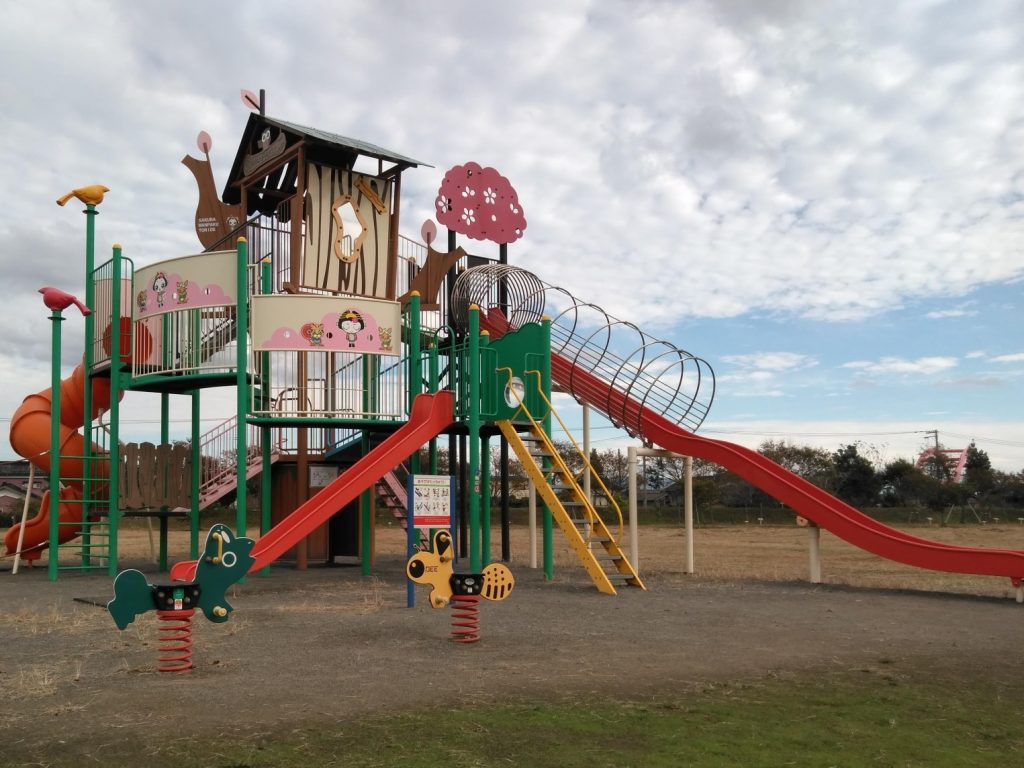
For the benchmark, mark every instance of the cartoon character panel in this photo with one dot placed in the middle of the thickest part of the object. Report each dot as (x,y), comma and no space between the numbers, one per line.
(325,323)
(187,282)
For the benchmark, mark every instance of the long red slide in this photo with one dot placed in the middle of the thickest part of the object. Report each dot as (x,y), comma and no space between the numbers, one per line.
(429,417)
(802,496)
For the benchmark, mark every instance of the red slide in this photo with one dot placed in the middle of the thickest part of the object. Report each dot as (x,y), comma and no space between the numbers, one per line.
(792,490)
(430,416)
(30,438)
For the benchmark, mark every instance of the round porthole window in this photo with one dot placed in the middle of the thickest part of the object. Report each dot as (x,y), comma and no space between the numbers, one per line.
(514,392)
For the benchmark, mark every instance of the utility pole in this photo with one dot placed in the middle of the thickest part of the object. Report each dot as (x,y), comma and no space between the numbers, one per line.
(936,463)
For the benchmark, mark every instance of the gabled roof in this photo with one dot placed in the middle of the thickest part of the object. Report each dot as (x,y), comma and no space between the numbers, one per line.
(329,147)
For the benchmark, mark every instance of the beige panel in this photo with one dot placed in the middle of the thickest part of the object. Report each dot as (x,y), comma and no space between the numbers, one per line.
(186,282)
(325,323)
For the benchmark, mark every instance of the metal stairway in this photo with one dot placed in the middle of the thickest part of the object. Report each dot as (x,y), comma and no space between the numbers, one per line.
(393,497)
(217,476)
(607,566)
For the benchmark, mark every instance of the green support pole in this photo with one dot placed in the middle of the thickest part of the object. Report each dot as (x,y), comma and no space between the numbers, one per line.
(545,382)
(485,496)
(51,566)
(366,519)
(113,474)
(197,461)
(90,326)
(242,384)
(165,438)
(267,286)
(487,384)
(433,376)
(474,439)
(366,498)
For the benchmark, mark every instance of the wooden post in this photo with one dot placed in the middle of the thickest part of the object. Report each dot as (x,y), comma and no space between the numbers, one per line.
(814,542)
(688,510)
(531,500)
(634,544)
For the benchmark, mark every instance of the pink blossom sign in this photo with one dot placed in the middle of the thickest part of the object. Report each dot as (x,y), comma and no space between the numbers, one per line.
(480,203)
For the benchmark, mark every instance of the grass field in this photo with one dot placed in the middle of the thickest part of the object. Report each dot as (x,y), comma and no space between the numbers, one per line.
(863,717)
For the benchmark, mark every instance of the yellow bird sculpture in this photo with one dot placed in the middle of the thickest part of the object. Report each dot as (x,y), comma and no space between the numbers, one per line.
(91,195)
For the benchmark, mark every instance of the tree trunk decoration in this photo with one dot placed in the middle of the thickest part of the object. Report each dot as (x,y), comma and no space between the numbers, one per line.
(336,258)
(214,219)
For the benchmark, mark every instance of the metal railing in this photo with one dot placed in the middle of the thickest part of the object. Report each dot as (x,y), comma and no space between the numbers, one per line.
(218,453)
(104,310)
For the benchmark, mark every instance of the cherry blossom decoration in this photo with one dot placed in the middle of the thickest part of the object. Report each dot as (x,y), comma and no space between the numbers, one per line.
(480,203)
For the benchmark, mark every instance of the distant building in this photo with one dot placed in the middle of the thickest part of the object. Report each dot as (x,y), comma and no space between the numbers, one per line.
(14,485)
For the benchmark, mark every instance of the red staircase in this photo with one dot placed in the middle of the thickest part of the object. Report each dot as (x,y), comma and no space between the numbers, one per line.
(392,496)
(218,473)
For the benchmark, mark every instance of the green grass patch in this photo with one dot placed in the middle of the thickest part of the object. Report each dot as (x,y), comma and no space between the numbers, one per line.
(872,717)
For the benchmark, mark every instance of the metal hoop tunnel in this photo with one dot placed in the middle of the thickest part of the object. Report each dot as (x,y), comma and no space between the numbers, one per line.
(655,373)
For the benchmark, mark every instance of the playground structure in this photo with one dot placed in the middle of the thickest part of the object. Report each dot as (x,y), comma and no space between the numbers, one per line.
(948,463)
(350,347)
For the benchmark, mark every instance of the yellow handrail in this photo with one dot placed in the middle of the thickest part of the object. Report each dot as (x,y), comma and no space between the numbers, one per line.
(586,459)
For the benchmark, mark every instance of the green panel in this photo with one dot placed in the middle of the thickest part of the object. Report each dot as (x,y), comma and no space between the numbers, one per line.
(521,351)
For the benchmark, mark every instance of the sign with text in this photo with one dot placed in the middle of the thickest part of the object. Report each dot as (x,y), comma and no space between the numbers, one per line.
(430,500)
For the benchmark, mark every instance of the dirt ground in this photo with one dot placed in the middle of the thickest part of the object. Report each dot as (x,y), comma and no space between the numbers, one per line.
(327,644)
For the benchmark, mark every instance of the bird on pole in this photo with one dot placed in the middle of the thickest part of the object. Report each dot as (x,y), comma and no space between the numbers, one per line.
(57,300)
(90,195)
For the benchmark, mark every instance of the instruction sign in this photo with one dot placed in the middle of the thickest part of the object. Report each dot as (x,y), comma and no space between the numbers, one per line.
(430,500)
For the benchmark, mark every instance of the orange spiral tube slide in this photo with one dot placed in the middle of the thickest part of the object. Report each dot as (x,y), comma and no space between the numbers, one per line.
(30,438)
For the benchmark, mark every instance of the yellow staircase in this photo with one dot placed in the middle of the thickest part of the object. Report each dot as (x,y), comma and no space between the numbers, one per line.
(606,564)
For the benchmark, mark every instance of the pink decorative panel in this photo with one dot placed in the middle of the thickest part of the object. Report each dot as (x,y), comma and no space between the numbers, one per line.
(480,203)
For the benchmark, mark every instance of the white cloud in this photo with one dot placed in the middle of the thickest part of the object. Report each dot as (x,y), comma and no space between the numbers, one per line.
(771,361)
(923,365)
(1016,357)
(974,355)
(944,313)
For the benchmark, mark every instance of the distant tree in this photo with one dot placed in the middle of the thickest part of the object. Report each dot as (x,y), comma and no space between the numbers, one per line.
(1008,489)
(813,464)
(978,475)
(856,482)
(899,480)
(615,470)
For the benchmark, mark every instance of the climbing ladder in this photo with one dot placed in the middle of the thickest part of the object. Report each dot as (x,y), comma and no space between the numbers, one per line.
(579,520)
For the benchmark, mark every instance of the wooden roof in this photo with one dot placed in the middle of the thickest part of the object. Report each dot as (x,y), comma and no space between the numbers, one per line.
(321,147)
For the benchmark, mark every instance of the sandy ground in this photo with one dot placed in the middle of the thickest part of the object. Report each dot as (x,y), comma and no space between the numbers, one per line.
(328,643)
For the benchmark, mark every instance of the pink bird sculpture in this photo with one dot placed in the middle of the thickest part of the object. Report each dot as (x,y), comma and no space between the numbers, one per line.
(58,300)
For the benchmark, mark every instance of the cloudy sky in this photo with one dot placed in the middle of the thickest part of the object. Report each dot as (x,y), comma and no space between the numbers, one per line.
(823,200)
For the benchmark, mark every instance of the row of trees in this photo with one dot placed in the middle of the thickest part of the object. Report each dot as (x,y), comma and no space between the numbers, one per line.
(848,473)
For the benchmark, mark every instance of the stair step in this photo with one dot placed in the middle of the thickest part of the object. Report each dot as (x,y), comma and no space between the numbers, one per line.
(620,578)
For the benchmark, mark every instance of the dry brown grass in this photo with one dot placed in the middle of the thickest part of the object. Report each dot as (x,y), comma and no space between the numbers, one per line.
(48,619)
(728,553)
(32,681)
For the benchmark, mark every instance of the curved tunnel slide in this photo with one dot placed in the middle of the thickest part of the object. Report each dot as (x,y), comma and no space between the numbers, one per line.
(429,417)
(802,496)
(30,438)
